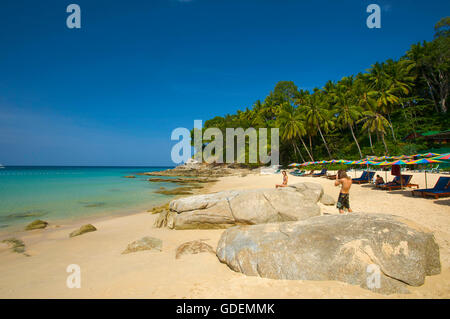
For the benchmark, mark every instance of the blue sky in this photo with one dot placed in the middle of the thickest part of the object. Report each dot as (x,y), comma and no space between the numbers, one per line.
(111,92)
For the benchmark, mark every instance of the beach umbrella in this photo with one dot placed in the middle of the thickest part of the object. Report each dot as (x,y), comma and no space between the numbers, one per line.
(294,164)
(442,157)
(398,162)
(424,161)
(383,163)
(306,164)
(429,155)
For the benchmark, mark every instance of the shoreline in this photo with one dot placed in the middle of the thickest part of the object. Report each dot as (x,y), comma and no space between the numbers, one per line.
(149,274)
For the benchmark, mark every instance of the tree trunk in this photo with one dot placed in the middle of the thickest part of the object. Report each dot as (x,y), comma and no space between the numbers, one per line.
(297,150)
(392,127)
(356,141)
(325,142)
(385,146)
(443,106)
(306,148)
(370,140)
(310,147)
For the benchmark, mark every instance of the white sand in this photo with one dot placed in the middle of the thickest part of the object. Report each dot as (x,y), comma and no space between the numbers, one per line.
(106,273)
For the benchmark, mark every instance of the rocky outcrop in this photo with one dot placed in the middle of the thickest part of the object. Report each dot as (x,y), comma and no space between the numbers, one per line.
(145,243)
(82,230)
(201,170)
(327,200)
(37,224)
(258,206)
(193,247)
(165,219)
(16,245)
(383,253)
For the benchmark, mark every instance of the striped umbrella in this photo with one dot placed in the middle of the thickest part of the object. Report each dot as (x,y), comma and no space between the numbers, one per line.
(424,161)
(294,164)
(442,157)
(305,164)
(398,162)
(429,155)
(383,163)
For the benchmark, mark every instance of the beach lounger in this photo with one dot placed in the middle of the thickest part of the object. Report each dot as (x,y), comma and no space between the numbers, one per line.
(322,173)
(366,177)
(331,176)
(441,189)
(309,174)
(397,185)
(297,173)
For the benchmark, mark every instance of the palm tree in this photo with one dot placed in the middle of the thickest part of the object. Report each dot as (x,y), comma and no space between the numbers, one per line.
(374,121)
(389,81)
(292,125)
(347,109)
(317,116)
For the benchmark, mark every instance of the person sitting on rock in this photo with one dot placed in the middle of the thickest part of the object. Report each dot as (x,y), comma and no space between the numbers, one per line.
(285,180)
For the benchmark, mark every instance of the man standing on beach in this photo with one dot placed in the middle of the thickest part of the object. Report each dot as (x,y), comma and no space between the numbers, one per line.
(346,183)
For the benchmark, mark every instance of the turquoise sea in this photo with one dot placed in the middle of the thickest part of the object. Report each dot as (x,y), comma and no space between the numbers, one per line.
(62,193)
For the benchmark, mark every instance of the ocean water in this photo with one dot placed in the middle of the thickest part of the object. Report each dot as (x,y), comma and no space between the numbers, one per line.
(70,193)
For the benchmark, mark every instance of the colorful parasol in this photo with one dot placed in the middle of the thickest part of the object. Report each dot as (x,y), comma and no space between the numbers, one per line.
(429,155)
(424,161)
(442,157)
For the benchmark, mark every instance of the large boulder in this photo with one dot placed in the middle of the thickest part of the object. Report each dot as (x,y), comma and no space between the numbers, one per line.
(249,207)
(352,248)
(327,200)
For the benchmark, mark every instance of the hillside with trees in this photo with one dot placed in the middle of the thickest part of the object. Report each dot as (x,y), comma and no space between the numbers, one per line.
(365,114)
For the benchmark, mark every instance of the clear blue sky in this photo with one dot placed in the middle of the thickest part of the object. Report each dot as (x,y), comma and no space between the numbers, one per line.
(112,92)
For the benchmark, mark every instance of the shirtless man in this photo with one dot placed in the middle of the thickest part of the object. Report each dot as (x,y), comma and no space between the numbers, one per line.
(345,182)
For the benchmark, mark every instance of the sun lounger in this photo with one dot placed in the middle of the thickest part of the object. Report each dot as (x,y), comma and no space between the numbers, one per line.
(441,189)
(366,177)
(331,176)
(297,173)
(406,182)
(322,173)
(309,174)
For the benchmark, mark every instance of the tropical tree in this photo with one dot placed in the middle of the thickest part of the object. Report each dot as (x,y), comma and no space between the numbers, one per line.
(374,122)
(346,109)
(292,125)
(316,114)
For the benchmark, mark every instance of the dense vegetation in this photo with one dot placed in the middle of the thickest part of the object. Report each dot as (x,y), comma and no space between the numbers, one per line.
(365,114)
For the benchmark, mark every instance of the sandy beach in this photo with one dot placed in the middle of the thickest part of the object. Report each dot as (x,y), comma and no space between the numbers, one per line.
(106,273)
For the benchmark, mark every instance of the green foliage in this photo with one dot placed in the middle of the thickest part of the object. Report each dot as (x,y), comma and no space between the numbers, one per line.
(362,115)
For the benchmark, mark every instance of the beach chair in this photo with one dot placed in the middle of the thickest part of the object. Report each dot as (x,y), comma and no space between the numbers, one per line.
(309,174)
(406,182)
(441,189)
(393,182)
(331,176)
(321,173)
(297,173)
(366,177)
